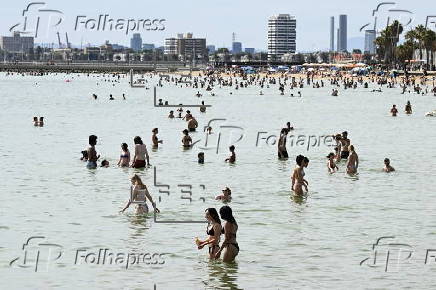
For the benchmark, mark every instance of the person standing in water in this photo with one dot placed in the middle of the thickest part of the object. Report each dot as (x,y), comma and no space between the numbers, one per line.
(232,157)
(388,167)
(186,140)
(298,176)
(171,115)
(124,156)
(192,124)
(141,154)
(394,111)
(345,143)
(92,153)
(213,230)
(282,152)
(200,157)
(229,247)
(139,195)
(408,108)
(154,138)
(305,164)
(331,165)
(352,161)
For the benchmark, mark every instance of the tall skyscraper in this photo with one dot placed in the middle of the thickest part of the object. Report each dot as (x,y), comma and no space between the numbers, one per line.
(342,33)
(332,33)
(369,41)
(136,42)
(281,36)
(338,45)
(236,47)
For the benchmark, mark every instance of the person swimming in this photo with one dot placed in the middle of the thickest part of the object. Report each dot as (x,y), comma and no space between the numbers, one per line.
(388,167)
(124,160)
(213,230)
(229,247)
(226,196)
(104,163)
(41,122)
(139,195)
(35,121)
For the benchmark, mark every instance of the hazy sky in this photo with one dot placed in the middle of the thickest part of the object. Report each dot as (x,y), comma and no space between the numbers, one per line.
(214,20)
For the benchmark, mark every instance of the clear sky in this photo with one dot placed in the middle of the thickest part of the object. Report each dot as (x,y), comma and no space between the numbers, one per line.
(214,20)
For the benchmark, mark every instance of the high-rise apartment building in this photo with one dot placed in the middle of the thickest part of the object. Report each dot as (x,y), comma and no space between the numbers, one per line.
(281,36)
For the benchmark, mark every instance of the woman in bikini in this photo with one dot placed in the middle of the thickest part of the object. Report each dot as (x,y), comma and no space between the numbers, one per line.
(139,195)
(229,247)
(124,156)
(298,176)
(213,231)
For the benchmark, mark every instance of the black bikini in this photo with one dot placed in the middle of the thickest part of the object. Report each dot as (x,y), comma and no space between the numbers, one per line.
(211,232)
(234,244)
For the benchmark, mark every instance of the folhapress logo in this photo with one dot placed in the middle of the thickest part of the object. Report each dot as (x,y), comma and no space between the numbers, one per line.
(39,21)
(106,23)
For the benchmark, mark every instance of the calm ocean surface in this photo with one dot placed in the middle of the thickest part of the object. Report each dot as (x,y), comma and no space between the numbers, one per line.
(319,242)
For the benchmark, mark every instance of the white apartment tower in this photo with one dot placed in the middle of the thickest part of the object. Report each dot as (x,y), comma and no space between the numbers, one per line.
(281,36)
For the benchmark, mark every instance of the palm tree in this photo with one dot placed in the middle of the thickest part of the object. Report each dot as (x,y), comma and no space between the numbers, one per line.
(429,37)
(388,40)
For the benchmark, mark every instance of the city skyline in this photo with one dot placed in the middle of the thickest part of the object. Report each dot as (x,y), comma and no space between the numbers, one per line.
(311,31)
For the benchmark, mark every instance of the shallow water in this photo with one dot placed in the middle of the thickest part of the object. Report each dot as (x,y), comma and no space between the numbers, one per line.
(316,242)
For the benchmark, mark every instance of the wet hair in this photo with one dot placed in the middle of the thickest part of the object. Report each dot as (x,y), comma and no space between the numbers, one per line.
(171,111)
(137,140)
(185,131)
(41,118)
(124,146)
(200,154)
(330,155)
(284,130)
(387,160)
(306,160)
(154,130)
(345,133)
(299,160)
(92,140)
(213,214)
(35,118)
(232,148)
(351,148)
(104,163)
(227,215)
